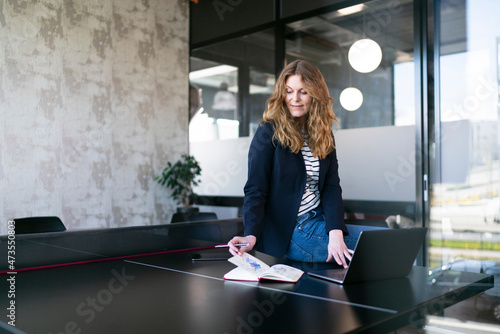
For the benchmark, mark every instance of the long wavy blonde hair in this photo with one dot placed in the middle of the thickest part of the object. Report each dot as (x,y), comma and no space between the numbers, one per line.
(320,117)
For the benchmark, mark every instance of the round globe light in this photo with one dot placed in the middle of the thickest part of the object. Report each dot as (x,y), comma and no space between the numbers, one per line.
(365,55)
(351,99)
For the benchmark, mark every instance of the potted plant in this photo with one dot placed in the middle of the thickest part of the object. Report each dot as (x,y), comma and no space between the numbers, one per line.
(180,177)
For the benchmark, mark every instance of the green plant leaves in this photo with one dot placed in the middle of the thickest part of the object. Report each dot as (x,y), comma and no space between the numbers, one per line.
(180,177)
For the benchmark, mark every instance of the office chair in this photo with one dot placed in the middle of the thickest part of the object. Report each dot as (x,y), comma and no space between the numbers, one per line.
(220,231)
(196,230)
(179,217)
(39,225)
(367,222)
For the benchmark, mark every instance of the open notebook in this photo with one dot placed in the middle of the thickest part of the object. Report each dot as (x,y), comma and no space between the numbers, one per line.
(379,254)
(250,268)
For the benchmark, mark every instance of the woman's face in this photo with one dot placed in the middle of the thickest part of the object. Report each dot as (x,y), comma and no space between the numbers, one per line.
(298,101)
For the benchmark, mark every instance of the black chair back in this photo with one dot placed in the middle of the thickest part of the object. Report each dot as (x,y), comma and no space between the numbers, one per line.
(179,217)
(367,222)
(39,225)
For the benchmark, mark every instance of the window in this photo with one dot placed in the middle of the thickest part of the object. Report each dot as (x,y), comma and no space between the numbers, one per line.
(375,104)
(235,79)
(365,53)
(465,203)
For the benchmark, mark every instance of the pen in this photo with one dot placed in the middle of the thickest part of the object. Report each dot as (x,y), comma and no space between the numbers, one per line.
(237,245)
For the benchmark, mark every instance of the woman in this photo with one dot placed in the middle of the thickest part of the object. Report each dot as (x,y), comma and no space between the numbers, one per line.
(293,199)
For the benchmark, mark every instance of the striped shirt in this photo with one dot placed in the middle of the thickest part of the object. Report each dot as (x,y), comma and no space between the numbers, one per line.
(311,197)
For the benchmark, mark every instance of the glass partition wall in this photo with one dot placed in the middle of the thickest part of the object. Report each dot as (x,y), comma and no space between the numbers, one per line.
(366,54)
(382,87)
(465,203)
(233,78)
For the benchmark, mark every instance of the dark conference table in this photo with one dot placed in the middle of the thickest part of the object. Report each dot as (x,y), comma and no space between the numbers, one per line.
(170,293)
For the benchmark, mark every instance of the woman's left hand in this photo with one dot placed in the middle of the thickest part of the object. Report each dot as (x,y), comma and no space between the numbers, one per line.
(337,249)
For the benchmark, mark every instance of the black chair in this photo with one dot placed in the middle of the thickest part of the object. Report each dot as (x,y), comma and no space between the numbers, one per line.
(367,222)
(220,231)
(39,225)
(180,217)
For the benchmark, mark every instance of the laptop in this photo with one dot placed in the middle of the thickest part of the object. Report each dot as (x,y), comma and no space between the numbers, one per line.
(379,254)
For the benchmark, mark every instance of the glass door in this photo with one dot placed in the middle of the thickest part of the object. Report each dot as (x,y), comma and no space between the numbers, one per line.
(230,82)
(214,108)
(465,202)
(366,54)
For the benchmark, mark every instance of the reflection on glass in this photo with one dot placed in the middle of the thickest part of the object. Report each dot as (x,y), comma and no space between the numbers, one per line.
(351,10)
(376,135)
(404,96)
(217,116)
(339,43)
(365,55)
(236,77)
(351,99)
(224,99)
(261,88)
(465,206)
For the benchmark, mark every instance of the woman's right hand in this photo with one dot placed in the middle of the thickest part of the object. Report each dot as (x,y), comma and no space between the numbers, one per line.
(233,249)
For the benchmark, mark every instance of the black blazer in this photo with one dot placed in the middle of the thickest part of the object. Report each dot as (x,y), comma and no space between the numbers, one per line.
(273,192)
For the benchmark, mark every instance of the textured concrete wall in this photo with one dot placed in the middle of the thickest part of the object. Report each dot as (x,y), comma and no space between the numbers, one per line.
(93,103)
